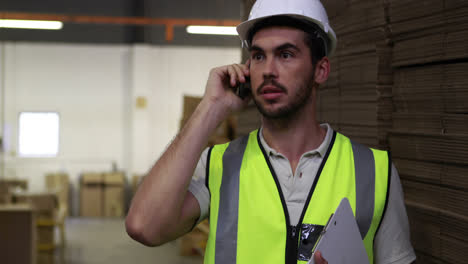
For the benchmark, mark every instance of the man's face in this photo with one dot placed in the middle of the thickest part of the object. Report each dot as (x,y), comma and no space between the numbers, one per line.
(281,71)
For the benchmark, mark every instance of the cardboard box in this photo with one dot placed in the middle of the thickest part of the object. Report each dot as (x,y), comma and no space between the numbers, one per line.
(45,234)
(91,201)
(46,257)
(45,204)
(102,194)
(5,195)
(225,132)
(91,195)
(59,182)
(114,178)
(15,184)
(92,178)
(194,243)
(113,201)
(190,104)
(18,235)
(114,186)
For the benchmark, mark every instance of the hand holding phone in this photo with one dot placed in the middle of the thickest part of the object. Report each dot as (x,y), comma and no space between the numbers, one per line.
(244,89)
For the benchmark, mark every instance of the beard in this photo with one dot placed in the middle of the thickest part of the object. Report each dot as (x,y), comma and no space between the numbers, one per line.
(298,101)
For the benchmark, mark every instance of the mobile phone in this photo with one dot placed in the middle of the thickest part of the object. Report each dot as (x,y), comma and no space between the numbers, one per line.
(243,89)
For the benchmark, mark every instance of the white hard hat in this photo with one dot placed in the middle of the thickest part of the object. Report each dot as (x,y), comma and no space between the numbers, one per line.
(308,10)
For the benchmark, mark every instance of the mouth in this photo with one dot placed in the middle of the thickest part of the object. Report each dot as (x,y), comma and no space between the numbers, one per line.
(268,89)
(271,91)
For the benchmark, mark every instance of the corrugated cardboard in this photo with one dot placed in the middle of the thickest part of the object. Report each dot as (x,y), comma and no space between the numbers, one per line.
(438,232)
(45,234)
(451,201)
(91,178)
(419,60)
(225,132)
(91,195)
(430,126)
(114,178)
(91,200)
(46,256)
(425,35)
(15,184)
(102,194)
(447,174)
(113,201)
(5,195)
(189,105)
(359,16)
(430,147)
(194,243)
(59,182)
(45,204)
(357,98)
(435,89)
(425,229)
(18,235)
(113,194)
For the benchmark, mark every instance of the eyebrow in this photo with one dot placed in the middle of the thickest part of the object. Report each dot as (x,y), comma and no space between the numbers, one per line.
(280,47)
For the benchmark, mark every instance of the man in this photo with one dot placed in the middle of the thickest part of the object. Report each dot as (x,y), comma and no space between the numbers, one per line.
(268,195)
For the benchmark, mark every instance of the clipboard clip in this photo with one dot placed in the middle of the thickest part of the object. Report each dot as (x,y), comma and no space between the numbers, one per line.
(322,234)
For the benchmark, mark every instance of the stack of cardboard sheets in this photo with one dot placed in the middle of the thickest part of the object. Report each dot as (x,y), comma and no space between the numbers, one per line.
(428,31)
(398,81)
(429,136)
(356,100)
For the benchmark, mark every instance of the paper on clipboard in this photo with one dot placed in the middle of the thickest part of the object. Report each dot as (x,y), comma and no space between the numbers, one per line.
(341,242)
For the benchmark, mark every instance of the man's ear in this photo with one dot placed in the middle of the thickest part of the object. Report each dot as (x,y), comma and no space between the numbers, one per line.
(322,70)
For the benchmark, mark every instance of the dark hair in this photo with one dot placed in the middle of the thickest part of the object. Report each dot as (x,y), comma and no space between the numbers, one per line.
(315,38)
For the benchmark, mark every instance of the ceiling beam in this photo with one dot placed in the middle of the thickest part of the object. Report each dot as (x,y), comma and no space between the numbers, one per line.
(169,23)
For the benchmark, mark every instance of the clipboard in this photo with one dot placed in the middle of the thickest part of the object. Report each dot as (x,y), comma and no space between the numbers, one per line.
(341,241)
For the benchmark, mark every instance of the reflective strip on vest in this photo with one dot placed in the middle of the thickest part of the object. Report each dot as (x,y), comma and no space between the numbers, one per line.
(229,202)
(364,167)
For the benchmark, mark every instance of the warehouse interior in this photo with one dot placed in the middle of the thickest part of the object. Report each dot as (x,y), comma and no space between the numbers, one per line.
(121,78)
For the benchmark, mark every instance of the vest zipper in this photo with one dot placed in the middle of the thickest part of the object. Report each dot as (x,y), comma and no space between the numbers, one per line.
(292,244)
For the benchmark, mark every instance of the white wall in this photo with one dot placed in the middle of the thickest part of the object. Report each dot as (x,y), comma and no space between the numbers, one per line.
(94,89)
(2,103)
(164,75)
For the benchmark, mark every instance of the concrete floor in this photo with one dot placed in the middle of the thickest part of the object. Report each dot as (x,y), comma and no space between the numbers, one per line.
(104,241)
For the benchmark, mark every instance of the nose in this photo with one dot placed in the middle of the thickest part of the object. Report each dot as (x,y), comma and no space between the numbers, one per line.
(270,69)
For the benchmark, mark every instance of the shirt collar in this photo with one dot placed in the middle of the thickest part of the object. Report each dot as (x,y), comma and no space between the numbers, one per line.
(321,150)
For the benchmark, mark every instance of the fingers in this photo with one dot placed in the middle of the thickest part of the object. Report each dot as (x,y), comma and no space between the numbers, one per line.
(318,258)
(221,86)
(237,73)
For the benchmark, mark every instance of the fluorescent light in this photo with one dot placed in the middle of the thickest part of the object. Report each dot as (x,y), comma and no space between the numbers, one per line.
(212,30)
(30,24)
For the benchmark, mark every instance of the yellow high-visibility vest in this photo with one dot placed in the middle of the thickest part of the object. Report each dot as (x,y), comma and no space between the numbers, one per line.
(249,220)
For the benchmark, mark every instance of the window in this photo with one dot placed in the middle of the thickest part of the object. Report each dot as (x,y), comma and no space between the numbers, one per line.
(38,134)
